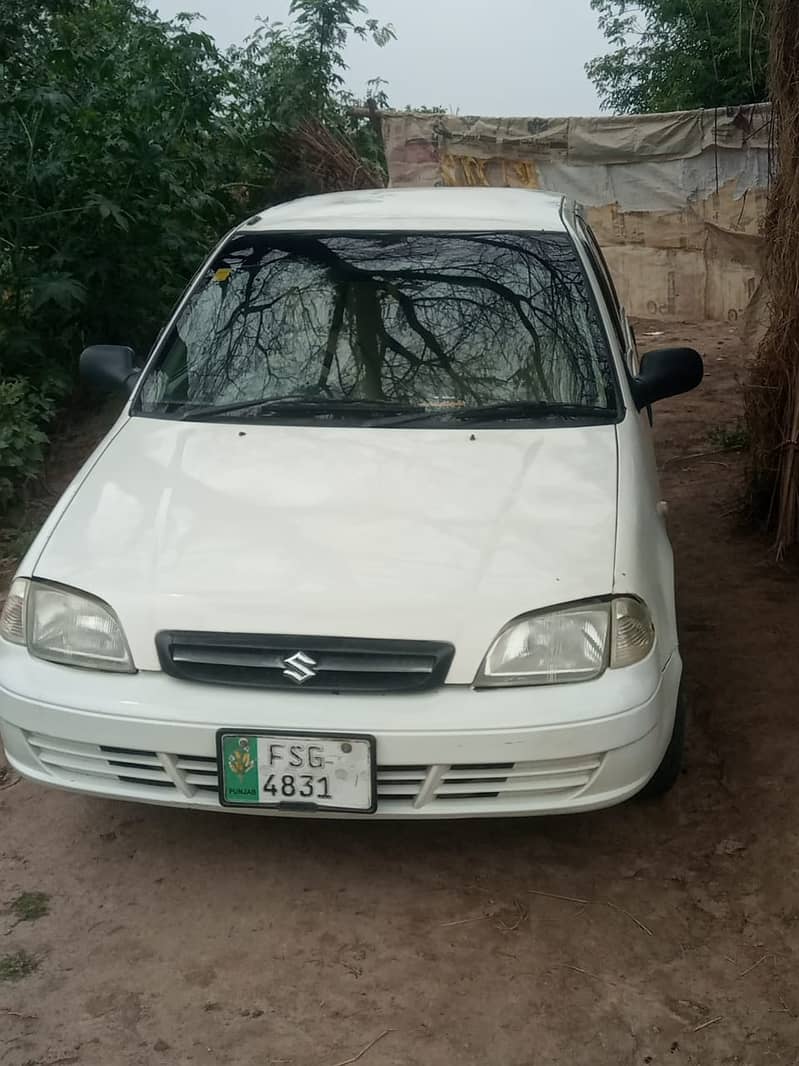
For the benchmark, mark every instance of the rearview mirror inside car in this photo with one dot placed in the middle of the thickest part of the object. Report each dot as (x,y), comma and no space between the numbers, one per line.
(666,372)
(109,367)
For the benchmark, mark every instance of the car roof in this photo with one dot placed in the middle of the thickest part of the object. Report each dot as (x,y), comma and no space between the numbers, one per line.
(442,209)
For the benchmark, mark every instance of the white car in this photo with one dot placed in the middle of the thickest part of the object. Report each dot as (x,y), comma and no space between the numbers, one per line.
(377,534)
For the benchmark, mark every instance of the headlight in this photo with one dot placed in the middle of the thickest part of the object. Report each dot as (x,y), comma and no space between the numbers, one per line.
(65,626)
(575,643)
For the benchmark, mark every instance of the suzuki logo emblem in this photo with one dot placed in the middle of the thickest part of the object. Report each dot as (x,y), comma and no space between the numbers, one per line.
(299,667)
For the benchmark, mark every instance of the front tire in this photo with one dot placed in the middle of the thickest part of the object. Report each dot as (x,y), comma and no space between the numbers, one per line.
(666,775)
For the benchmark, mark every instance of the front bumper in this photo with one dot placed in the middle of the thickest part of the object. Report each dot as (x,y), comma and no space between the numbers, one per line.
(453,752)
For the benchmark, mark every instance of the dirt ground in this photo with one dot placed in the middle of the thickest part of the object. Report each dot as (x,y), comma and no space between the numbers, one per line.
(665,933)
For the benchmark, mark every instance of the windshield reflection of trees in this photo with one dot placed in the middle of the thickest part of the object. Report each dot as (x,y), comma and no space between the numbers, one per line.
(413,318)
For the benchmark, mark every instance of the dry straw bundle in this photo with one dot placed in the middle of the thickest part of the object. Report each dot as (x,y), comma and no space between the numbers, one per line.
(773,393)
(329,160)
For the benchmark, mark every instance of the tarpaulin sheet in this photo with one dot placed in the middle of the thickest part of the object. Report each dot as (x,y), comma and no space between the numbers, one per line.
(677,200)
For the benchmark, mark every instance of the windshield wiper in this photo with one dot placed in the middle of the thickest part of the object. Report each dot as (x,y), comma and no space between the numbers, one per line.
(504,412)
(530,409)
(299,405)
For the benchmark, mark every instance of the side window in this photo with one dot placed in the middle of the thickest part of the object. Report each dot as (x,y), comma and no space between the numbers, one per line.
(605,283)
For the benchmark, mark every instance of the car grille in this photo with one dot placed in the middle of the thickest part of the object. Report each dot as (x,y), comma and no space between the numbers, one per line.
(69,758)
(328,664)
(400,789)
(422,785)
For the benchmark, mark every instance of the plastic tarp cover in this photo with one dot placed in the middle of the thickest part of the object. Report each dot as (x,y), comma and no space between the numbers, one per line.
(677,200)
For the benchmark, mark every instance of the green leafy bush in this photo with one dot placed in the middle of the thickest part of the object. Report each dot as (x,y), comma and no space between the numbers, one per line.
(23,411)
(128,145)
(676,55)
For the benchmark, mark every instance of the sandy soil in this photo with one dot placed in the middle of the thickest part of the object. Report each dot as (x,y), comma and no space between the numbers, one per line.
(183,938)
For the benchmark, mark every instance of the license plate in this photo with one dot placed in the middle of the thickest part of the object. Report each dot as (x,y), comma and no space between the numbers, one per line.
(297,771)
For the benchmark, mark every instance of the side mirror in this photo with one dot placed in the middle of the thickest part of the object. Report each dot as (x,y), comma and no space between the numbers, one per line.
(666,372)
(109,367)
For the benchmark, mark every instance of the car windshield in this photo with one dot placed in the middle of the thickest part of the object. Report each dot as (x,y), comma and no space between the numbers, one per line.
(296,326)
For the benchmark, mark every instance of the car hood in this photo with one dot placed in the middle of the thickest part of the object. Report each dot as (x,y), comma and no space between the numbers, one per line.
(418,534)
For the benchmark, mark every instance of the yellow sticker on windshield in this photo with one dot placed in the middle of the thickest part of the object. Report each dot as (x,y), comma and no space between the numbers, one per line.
(223,274)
